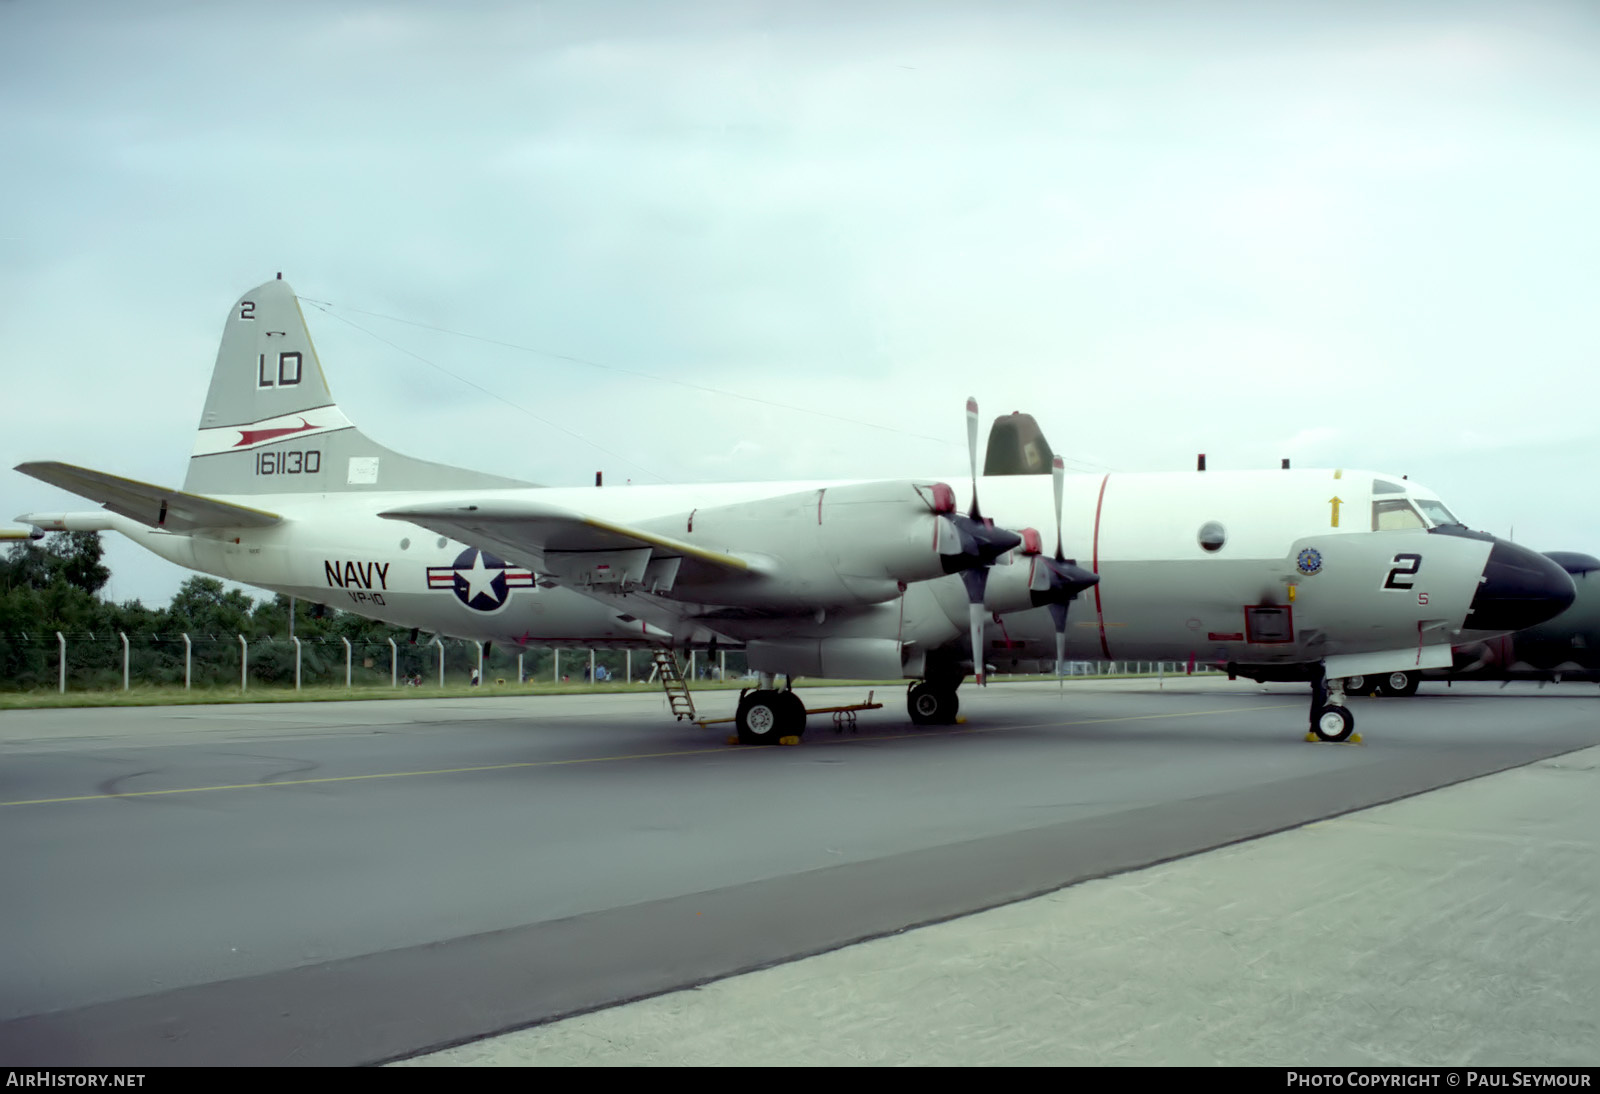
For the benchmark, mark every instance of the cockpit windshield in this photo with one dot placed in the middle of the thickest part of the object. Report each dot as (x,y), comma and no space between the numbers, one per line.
(1396,515)
(1411,514)
(1435,511)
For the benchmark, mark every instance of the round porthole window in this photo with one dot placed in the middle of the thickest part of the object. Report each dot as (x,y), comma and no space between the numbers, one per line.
(1212,536)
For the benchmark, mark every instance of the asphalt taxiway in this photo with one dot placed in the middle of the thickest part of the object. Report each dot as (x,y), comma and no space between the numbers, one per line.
(356,882)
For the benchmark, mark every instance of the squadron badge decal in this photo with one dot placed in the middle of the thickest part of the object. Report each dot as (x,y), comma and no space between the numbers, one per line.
(1310,561)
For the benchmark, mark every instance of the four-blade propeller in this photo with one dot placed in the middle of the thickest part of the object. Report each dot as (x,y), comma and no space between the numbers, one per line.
(975,547)
(1056,582)
(976,544)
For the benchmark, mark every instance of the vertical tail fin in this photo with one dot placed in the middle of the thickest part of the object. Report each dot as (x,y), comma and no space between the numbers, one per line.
(270,425)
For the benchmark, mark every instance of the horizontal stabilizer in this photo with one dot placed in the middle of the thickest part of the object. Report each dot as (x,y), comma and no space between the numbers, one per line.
(156,506)
(569,546)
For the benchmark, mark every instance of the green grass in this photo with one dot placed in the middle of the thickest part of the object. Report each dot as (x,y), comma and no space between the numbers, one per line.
(267,693)
(148,696)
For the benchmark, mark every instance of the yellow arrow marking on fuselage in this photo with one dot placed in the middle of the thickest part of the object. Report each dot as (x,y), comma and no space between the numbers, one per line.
(1337,501)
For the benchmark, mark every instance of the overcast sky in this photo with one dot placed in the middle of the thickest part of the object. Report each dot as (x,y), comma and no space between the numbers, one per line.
(1353,234)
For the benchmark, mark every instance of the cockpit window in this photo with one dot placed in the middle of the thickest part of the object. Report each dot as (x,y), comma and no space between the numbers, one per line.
(1395,515)
(1385,486)
(1435,511)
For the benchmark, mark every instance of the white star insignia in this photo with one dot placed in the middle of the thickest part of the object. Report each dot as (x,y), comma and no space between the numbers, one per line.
(480,580)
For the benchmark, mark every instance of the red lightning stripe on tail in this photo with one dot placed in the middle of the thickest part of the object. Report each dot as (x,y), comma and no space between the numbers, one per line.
(256,436)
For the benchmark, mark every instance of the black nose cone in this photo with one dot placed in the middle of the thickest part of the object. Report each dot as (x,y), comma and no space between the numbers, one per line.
(1519,588)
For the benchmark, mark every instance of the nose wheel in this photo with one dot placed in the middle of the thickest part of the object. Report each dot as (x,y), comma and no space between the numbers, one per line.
(1331,720)
(1333,724)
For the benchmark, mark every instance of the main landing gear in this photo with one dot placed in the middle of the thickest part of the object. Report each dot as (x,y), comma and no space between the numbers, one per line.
(932,703)
(932,700)
(1331,720)
(1399,684)
(766,716)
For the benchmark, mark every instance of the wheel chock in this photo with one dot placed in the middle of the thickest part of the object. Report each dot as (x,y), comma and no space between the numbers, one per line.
(961,719)
(1311,738)
(1355,739)
(733,740)
(791,740)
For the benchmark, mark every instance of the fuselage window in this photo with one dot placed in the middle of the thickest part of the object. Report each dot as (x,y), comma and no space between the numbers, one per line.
(1395,516)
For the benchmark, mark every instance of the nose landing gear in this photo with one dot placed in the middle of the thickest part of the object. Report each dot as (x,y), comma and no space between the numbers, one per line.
(1331,720)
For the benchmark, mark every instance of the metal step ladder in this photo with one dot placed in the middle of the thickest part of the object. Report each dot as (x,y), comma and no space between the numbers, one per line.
(676,687)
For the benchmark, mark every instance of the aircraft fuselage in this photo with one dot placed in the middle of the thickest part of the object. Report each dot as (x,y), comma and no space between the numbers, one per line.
(1248,567)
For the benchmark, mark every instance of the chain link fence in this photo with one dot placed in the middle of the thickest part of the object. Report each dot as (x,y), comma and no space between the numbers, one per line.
(108,661)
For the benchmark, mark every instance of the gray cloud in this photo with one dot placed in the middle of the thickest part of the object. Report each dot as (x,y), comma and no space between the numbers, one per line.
(1357,235)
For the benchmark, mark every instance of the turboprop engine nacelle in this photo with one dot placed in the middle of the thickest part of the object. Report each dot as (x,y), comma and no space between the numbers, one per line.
(838,658)
(830,547)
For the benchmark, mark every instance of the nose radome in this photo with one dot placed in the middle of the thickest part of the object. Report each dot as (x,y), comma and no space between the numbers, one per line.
(1519,588)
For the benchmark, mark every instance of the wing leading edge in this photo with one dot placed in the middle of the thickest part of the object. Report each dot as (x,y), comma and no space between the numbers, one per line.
(574,548)
(155,506)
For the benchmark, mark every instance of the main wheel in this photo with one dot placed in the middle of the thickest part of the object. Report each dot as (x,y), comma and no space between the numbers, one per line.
(1400,684)
(761,716)
(1358,685)
(791,714)
(932,706)
(1333,724)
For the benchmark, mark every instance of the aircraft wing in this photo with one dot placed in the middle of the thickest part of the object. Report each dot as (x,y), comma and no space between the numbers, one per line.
(156,506)
(573,547)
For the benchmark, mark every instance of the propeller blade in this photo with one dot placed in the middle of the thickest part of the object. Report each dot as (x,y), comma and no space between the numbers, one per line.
(976,581)
(975,614)
(1058,476)
(1058,615)
(972,452)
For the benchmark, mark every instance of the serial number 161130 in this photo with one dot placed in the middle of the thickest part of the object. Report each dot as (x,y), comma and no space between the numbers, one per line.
(289,463)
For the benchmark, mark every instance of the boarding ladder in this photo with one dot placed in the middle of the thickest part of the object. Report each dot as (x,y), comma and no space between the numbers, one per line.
(676,687)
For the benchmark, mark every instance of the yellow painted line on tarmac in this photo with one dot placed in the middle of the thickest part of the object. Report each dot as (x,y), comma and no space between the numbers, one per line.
(379,775)
(933,732)
(719,750)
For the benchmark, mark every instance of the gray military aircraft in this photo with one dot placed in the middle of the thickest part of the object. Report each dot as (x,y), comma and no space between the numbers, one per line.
(1324,573)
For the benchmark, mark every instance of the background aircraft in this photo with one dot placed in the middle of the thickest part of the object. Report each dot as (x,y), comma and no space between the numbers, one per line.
(1327,573)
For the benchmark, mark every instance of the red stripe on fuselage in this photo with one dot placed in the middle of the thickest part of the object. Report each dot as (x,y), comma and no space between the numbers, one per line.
(1098,610)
